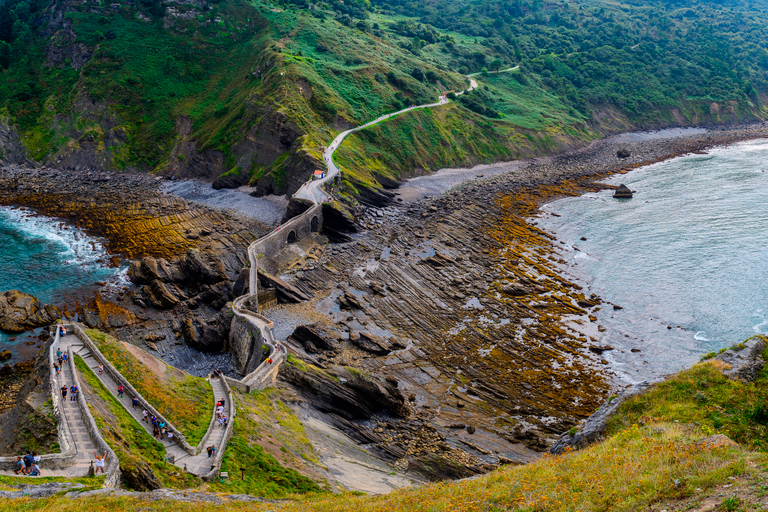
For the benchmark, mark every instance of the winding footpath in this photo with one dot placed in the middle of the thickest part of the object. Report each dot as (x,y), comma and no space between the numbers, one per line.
(311,191)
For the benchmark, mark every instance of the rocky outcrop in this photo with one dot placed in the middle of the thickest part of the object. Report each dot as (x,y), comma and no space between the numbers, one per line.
(20,312)
(338,223)
(377,345)
(744,360)
(347,393)
(623,192)
(208,335)
(623,153)
(593,427)
(316,338)
(11,150)
(296,206)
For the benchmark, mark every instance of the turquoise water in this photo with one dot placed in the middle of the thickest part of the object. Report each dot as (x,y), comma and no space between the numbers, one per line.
(51,260)
(688,251)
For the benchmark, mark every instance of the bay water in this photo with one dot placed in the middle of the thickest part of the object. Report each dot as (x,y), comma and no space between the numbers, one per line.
(686,258)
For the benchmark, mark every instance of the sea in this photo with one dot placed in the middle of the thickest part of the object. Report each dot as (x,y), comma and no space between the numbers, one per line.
(52,260)
(686,258)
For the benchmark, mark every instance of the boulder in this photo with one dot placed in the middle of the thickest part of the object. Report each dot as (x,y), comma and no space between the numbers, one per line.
(376,344)
(316,337)
(196,270)
(20,312)
(623,153)
(229,180)
(159,296)
(242,282)
(206,335)
(5,355)
(623,192)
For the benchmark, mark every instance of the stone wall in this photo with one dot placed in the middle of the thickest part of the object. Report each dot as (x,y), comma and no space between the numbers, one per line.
(112,475)
(130,390)
(66,457)
(230,413)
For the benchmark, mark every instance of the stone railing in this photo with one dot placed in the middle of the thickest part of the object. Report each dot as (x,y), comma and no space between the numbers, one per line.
(112,474)
(118,377)
(229,429)
(68,451)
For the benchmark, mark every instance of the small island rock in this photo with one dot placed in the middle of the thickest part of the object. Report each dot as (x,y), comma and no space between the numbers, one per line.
(623,192)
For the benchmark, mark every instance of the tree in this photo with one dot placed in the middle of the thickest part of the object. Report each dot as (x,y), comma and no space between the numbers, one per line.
(432,76)
(495,65)
(418,74)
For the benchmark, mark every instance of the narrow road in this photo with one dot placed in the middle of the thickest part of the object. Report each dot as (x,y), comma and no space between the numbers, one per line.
(311,190)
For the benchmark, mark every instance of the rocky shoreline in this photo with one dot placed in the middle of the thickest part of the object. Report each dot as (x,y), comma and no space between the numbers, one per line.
(474,294)
(448,315)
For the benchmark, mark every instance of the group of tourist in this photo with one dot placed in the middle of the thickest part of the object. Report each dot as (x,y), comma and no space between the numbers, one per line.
(159,429)
(28,464)
(216,373)
(221,417)
(61,358)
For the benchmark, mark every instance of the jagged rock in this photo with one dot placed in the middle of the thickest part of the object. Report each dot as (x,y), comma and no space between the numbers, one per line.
(217,295)
(5,355)
(241,283)
(350,301)
(229,180)
(296,206)
(623,192)
(745,360)
(159,296)
(337,224)
(207,335)
(197,270)
(439,260)
(139,478)
(20,312)
(316,337)
(360,397)
(515,290)
(623,153)
(286,292)
(376,344)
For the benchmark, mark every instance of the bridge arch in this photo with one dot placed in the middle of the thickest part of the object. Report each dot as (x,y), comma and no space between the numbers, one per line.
(314,224)
(292,237)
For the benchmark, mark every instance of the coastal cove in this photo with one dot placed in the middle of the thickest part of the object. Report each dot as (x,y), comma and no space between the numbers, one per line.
(684,258)
(53,261)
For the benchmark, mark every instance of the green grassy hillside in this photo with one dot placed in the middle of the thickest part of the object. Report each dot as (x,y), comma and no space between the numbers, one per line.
(255,89)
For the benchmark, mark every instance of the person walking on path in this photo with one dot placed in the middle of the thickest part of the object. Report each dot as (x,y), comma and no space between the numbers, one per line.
(99,461)
(211,450)
(56,367)
(219,411)
(20,466)
(120,391)
(101,369)
(73,393)
(170,436)
(29,459)
(64,392)
(144,415)
(135,402)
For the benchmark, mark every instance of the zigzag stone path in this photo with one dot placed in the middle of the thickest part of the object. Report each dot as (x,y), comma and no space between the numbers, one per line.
(196,464)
